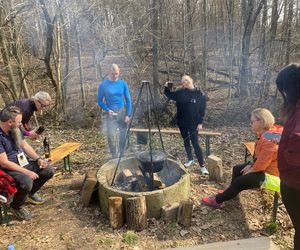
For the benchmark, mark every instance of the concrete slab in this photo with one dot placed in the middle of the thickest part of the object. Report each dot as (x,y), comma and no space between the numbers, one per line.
(260,243)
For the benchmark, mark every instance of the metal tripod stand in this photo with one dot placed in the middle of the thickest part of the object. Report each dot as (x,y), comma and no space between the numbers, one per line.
(149,102)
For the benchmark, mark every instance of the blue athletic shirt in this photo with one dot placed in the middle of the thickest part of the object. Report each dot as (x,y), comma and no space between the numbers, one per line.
(114,95)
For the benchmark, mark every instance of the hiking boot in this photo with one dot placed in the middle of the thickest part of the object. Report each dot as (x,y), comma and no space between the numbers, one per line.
(3,199)
(35,199)
(21,213)
(211,201)
(203,170)
(189,163)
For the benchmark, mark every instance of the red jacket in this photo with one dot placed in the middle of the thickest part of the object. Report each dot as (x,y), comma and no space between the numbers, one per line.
(266,154)
(289,151)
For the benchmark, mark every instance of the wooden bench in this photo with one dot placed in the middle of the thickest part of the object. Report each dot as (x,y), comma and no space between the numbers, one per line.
(207,135)
(63,152)
(249,151)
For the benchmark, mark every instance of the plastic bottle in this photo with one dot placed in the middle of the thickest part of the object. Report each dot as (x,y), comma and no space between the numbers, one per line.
(10,247)
(46,143)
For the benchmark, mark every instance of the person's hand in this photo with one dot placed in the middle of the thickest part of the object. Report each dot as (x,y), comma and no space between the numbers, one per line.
(199,127)
(42,163)
(110,113)
(126,119)
(166,84)
(246,170)
(33,135)
(32,175)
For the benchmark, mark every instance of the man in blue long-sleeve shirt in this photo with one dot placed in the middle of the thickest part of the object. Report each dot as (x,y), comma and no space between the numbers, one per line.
(114,98)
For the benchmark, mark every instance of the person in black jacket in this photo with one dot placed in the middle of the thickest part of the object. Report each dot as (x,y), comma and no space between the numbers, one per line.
(191,105)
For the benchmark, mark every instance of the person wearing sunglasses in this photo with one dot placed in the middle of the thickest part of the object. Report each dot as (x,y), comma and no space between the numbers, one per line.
(37,103)
(20,161)
(252,175)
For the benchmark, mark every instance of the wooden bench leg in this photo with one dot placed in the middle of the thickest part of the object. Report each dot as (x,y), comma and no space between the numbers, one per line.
(275,207)
(207,145)
(3,214)
(67,164)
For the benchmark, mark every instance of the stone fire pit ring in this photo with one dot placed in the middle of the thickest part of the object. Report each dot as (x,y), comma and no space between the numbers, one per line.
(174,175)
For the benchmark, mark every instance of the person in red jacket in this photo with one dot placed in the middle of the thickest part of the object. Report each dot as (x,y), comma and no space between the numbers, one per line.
(288,84)
(247,176)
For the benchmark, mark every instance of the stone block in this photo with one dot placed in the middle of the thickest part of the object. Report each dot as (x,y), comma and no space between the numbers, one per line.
(170,212)
(215,168)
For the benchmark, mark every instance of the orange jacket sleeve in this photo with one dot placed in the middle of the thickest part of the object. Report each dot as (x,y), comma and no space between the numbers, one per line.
(265,153)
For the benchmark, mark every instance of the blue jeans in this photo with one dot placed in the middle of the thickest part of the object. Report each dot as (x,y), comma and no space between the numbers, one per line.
(112,124)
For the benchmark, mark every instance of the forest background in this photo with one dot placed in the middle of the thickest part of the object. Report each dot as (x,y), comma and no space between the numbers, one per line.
(232,49)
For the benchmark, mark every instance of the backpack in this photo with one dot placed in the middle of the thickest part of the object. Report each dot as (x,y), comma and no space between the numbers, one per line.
(7,185)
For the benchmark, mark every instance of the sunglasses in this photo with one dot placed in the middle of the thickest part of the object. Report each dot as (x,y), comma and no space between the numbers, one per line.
(43,106)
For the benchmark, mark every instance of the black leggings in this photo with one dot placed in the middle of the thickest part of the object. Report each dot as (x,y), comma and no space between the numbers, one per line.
(190,134)
(292,205)
(241,182)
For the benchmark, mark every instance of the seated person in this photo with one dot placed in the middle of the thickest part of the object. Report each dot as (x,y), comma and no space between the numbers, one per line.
(248,176)
(29,176)
(39,102)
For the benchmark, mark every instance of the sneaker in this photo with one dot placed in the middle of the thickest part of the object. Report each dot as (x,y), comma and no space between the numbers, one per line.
(3,199)
(189,163)
(203,170)
(211,201)
(35,199)
(21,213)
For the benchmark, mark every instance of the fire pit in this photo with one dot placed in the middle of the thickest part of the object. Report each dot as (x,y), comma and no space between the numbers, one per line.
(171,179)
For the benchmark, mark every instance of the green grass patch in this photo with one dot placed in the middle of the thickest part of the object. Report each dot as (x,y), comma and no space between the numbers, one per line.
(130,237)
(272,227)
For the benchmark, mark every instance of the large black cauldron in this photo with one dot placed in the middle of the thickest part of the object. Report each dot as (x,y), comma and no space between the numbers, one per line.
(158,159)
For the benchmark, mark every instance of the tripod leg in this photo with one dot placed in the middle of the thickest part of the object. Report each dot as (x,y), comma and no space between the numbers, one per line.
(156,119)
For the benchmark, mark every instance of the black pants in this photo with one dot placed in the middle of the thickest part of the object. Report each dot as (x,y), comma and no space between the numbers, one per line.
(112,123)
(26,185)
(292,204)
(189,134)
(240,182)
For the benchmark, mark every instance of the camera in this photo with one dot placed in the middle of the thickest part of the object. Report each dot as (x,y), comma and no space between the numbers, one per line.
(40,130)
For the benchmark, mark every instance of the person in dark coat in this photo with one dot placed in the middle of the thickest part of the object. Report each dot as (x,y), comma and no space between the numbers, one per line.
(191,105)
(288,84)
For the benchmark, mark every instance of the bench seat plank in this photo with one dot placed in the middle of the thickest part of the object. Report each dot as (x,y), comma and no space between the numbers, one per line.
(173,131)
(250,146)
(63,150)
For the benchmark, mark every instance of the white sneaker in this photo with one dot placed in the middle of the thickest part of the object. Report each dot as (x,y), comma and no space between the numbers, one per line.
(3,199)
(203,171)
(189,163)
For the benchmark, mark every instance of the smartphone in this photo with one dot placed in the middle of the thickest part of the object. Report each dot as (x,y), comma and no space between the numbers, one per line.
(170,85)
(40,130)
(272,136)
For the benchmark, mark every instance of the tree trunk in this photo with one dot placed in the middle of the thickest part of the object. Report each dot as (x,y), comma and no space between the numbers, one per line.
(78,45)
(115,209)
(155,5)
(136,213)
(288,33)
(251,14)
(204,49)
(190,39)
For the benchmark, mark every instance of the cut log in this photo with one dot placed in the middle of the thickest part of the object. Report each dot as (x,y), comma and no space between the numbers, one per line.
(185,213)
(115,210)
(136,213)
(88,186)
